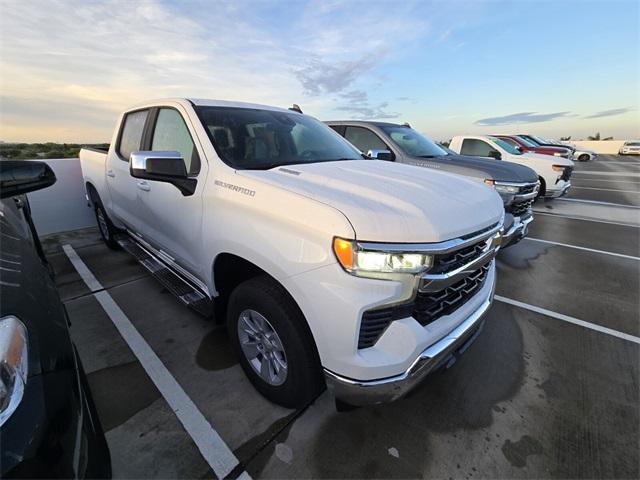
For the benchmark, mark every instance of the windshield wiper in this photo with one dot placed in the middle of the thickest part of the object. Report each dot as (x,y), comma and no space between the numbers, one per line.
(269,166)
(427,156)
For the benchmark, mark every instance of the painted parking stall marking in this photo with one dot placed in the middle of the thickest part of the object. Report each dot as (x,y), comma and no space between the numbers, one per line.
(593,250)
(560,215)
(596,202)
(212,447)
(567,318)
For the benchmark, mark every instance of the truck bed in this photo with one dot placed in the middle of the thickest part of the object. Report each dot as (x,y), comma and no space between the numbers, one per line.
(93,164)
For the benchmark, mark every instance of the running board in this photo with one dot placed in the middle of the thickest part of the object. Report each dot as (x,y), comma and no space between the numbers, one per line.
(187,293)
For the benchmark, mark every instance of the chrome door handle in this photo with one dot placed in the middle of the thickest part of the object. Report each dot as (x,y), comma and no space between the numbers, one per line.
(110,173)
(142,185)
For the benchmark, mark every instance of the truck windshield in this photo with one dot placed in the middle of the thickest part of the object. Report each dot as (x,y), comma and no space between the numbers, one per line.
(528,143)
(413,143)
(541,141)
(505,146)
(254,139)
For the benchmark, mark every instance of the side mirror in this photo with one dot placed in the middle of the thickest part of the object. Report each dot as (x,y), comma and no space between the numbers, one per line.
(495,154)
(380,155)
(519,148)
(167,167)
(18,177)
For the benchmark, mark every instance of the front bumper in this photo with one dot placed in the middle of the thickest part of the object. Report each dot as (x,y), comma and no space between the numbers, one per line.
(516,232)
(55,431)
(559,191)
(440,354)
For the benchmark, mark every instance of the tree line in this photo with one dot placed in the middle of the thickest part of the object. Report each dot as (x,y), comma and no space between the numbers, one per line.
(31,151)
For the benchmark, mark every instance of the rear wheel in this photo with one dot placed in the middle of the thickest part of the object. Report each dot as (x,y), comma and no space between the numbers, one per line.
(107,230)
(274,345)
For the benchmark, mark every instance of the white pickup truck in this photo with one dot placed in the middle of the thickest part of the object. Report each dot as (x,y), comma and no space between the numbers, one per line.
(553,172)
(329,270)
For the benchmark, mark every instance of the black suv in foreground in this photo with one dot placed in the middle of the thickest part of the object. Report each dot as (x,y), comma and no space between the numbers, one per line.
(48,422)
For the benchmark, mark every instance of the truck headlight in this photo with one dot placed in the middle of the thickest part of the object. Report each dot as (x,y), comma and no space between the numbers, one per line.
(502,188)
(510,189)
(372,263)
(13,365)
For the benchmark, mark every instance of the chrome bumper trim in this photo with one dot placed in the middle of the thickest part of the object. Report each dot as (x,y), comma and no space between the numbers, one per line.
(432,248)
(556,193)
(369,392)
(439,281)
(517,232)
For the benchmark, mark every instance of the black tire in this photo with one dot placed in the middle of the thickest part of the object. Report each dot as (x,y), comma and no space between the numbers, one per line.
(107,230)
(583,158)
(304,380)
(543,188)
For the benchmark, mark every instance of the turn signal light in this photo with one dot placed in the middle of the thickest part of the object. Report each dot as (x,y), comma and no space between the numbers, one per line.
(344,252)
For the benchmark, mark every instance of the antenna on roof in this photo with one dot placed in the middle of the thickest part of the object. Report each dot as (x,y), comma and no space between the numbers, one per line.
(296,108)
(406,124)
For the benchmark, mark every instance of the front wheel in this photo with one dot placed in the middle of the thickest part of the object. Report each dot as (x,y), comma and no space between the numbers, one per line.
(583,158)
(107,230)
(274,345)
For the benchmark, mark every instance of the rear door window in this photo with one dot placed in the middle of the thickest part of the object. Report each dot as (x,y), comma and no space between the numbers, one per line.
(131,135)
(364,139)
(475,148)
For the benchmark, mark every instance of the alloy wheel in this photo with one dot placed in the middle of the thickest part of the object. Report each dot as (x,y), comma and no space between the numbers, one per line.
(262,347)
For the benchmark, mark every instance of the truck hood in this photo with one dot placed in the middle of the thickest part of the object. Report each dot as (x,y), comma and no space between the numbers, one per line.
(479,168)
(388,202)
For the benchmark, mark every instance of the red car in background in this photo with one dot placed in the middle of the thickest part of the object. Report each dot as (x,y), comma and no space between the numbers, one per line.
(525,145)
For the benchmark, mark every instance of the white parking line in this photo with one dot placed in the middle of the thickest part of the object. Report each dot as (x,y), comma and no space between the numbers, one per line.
(567,318)
(593,250)
(608,174)
(595,202)
(212,447)
(608,181)
(573,187)
(537,212)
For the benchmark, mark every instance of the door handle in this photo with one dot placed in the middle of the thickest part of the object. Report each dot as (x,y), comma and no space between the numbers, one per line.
(110,173)
(142,185)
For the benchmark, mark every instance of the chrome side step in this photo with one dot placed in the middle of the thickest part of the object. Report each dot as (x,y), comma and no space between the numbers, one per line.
(187,293)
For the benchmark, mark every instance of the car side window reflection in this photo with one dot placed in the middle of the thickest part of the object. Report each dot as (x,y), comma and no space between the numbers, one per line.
(475,148)
(171,134)
(364,139)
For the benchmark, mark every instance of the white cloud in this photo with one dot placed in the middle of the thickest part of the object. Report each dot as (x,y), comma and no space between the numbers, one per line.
(106,56)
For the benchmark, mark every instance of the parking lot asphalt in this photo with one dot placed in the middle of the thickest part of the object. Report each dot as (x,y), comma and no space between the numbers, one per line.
(536,396)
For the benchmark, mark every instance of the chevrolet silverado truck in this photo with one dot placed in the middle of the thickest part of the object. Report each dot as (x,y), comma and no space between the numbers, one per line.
(329,270)
(553,172)
(516,184)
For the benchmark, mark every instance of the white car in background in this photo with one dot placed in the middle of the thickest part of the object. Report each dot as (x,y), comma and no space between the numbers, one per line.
(553,172)
(579,154)
(630,148)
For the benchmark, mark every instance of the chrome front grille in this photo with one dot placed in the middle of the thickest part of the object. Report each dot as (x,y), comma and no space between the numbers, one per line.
(431,306)
(445,287)
(451,261)
(522,209)
(527,189)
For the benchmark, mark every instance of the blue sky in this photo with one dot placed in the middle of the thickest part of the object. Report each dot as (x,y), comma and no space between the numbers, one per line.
(447,67)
